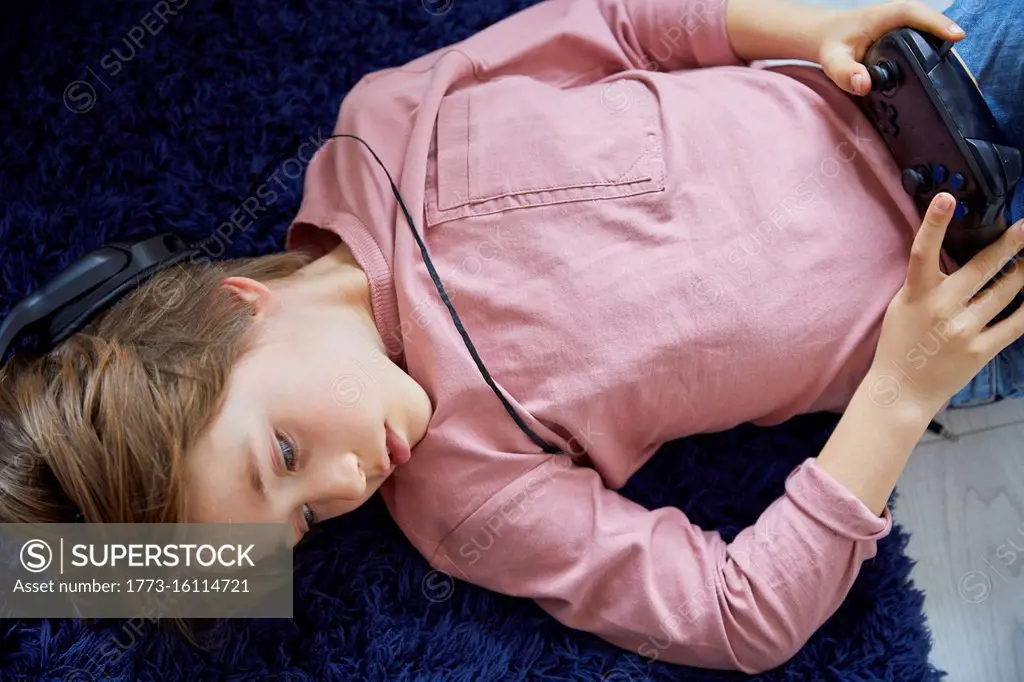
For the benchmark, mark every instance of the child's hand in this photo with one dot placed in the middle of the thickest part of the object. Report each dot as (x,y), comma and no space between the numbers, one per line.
(934,339)
(848,34)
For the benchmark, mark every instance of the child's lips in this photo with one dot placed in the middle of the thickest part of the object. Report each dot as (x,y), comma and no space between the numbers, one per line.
(398,450)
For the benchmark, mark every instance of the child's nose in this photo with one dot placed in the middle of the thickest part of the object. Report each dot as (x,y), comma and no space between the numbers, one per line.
(336,476)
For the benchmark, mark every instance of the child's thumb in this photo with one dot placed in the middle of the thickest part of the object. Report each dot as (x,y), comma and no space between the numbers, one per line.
(845,71)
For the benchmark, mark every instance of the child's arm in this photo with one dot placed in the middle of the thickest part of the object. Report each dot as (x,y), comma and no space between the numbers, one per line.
(906,385)
(836,39)
(656,584)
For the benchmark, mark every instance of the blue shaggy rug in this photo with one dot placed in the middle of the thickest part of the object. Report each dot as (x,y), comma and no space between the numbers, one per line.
(124,118)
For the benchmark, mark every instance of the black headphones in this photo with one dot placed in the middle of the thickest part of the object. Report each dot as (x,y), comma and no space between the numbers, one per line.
(88,286)
(99,279)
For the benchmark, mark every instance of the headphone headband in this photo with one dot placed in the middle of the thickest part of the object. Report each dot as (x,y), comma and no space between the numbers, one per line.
(87,287)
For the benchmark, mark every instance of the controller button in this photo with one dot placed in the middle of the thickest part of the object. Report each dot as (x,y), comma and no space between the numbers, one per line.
(1012,162)
(939,174)
(957,182)
(894,114)
(961,210)
(914,182)
(992,168)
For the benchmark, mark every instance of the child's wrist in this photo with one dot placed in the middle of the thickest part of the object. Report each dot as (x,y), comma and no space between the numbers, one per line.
(896,402)
(781,29)
(825,25)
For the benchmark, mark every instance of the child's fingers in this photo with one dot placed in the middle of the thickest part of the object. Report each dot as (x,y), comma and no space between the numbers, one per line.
(923,270)
(914,14)
(986,264)
(841,59)
(839,64)
(993,300)
(1003,333)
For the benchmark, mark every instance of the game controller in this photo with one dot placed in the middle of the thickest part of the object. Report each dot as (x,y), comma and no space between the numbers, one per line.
(933,117)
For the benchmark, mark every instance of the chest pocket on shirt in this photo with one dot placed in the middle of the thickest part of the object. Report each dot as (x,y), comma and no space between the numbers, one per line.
(516,143)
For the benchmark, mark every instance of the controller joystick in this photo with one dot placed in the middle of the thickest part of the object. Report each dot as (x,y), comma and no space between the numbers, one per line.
(916,182)
(884,76)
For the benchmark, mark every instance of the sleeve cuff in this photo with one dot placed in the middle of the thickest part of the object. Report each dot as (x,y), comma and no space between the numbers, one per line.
(833,505)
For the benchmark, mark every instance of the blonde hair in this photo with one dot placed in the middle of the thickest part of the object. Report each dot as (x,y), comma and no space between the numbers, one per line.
(98,429)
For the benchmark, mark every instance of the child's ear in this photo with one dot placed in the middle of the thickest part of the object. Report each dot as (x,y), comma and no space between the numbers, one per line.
(249,291)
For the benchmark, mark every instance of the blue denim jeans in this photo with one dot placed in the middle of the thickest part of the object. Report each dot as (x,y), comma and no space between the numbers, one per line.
(994,52)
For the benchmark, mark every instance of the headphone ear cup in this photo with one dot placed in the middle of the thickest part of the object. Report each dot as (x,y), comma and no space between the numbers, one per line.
(82,290)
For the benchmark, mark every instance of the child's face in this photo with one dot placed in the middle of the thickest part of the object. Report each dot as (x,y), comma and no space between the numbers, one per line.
(318,380)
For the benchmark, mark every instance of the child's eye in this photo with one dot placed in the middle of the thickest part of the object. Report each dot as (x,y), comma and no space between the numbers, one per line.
(287,452)
(288,455)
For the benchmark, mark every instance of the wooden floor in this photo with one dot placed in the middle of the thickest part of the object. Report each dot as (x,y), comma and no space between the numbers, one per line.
(963,504)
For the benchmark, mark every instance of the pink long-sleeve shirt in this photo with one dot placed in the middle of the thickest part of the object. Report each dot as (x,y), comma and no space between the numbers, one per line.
(645,238)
